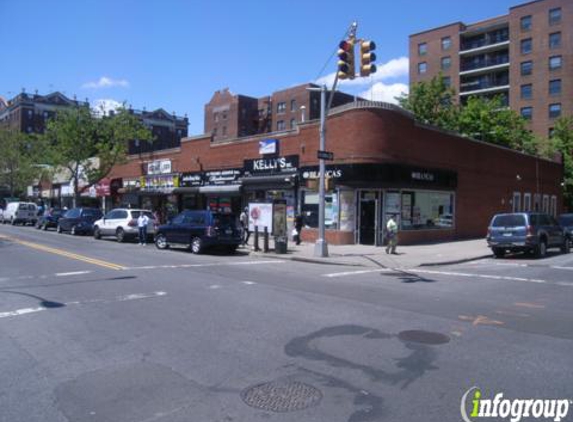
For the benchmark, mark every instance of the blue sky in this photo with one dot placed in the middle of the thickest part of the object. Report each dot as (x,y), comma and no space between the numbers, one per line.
(174,54)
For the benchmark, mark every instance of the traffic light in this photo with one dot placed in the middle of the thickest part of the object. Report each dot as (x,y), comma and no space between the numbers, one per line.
(346,60)
(367,58)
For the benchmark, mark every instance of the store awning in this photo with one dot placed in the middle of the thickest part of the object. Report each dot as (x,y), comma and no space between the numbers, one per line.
(275,180)
(220,189)
(192,189)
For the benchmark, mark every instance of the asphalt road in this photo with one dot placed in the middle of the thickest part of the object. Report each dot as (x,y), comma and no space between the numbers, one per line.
(100,331)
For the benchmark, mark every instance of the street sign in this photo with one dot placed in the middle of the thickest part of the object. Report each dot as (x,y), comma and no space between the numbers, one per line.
(325,155)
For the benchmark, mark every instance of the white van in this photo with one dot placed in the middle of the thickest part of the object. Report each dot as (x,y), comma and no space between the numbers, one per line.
(20,212)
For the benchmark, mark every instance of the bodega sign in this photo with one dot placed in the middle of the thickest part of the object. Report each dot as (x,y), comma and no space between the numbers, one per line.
(287,164)
(474,408)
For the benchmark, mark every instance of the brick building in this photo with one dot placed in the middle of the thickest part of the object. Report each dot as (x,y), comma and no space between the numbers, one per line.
(230,116)
(525,56)
(440,185)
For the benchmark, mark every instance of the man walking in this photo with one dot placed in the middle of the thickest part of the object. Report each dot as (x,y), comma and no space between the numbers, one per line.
(244,220)
(142,222)
(392,235)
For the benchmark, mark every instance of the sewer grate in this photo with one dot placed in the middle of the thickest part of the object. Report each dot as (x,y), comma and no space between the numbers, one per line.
(281,396)
(424,337)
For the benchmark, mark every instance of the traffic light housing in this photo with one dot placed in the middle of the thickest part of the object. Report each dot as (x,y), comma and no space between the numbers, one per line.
(367,58)
(346,68)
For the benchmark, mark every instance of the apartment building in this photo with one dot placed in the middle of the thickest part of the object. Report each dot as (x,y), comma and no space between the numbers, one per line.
(525,56)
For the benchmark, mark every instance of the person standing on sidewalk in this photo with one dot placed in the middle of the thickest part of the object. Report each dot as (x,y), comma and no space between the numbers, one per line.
(142,222)
(298,223)
(392,235)
(244,220)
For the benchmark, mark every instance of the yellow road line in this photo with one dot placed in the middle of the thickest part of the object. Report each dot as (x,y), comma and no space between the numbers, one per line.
(64,253)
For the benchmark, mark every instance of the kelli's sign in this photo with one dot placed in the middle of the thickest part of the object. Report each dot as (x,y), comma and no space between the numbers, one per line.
(287,164)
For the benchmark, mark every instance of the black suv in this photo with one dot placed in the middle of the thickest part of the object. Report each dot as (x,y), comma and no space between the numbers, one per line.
(200,230)
(78,221)
(526,232)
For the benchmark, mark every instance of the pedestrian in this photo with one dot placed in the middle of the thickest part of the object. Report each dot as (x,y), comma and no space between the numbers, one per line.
(298,223)
(244,220)
(391,235)
(142,222)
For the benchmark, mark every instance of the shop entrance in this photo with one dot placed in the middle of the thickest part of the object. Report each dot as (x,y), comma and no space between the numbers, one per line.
(368,210)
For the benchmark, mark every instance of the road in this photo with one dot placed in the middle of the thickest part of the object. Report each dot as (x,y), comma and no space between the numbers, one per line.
(100,331)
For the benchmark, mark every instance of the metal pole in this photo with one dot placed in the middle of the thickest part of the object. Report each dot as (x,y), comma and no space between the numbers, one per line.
(321,246)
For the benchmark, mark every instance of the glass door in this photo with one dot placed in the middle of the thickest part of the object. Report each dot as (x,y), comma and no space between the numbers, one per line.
(368,210)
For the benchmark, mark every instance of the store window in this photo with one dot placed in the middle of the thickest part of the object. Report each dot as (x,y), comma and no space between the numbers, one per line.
(422,210)
(516,202)
(309,209)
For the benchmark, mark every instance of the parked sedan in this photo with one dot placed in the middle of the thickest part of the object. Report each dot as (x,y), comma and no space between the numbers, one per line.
(78,221)
(200,230)
(122,223)
(526,232)
(49,220)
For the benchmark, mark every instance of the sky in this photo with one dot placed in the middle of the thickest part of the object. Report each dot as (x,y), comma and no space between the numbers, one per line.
(174,54)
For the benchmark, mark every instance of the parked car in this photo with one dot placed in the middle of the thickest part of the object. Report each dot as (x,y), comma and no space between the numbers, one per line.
(526,232)
(20,213)
(49,219)
(122,223)
(200,230)
(566,221)
(78,221)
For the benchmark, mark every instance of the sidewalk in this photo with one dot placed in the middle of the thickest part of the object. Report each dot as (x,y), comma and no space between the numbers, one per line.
(375,256)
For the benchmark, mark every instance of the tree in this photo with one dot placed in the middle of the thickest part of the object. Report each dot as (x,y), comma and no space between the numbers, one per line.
(18,168)
(432,102)
(89,144)
(562,141)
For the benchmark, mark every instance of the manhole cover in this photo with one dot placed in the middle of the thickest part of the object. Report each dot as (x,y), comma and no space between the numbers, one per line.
(281,396)
(424,337)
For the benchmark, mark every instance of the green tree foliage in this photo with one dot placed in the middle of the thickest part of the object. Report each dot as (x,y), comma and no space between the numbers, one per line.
(89,144)
(562,141)
(19,156)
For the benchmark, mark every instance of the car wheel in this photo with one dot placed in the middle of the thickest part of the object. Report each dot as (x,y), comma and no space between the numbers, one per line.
(120,235)
(232,249)
(97,233)
(59,228)
(197,245)
(541,250)
(566,248)
(161,241)
(499,253)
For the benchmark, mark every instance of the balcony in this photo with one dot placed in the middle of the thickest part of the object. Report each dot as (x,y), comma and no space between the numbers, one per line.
(488,83)
(489,41)
(484,63)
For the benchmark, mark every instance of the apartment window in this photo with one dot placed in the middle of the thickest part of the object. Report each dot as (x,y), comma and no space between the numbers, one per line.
(224,115)
(292,123)
(526,23)
(555,87)
(526,68)
(554,16)
(553,209)
(446,43)
(554,62)
(526,112)
(215,131)
(447,81)
(554,110)
(446,63)
(224,130)
(526,202)
(526,91)
(526,46)
(422,67)
(516,201)
(555,40)
(281,125)
(422,49)
(292,105)
(281,107)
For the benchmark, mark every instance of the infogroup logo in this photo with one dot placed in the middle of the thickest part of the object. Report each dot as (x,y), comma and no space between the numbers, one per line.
(514,409)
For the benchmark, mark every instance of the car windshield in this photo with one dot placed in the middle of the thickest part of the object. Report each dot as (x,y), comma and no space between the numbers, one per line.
(149,214)
(566,220)
(509,220)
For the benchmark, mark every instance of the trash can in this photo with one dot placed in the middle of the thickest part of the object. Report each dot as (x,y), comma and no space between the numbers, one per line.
(281,244)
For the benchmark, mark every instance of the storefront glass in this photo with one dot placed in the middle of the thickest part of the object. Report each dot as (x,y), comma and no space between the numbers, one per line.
(423,210)
(309,208)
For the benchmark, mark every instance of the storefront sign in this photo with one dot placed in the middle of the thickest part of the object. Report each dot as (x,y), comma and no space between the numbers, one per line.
(189,180)
(423,176)
(268,146)
(159,167)
(223,177)
(287,164)
(160,183)
(311,173)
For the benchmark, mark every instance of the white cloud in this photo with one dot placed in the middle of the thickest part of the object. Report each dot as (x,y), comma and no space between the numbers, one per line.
(386,93)
(104,106)
(393,69)
(105,82)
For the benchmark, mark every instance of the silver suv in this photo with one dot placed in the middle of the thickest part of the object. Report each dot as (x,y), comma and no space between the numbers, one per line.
(122,223)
